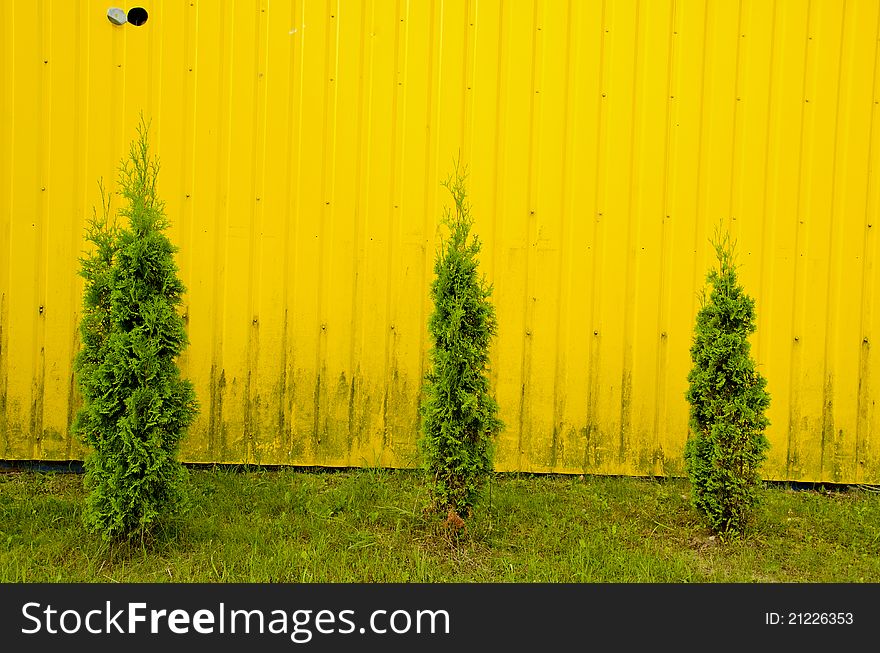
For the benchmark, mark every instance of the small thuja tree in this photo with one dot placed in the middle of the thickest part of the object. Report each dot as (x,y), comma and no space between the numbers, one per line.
(136,406)
(727,399)
(459,415)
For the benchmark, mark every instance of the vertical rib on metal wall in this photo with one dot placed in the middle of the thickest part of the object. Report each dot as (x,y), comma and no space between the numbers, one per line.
(302,147)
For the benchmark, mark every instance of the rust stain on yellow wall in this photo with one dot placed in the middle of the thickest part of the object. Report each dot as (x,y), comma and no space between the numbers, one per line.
(303,145)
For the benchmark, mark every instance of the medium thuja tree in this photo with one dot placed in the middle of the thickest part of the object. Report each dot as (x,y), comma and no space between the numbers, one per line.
(459,415)
(136,407)
(728,400)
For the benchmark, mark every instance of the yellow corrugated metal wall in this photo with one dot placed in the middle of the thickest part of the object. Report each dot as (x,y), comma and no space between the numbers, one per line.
(302,147)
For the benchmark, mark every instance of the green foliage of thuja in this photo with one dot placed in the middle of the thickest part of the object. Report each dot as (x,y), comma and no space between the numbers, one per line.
(728,399)
(136,406)
(459,415)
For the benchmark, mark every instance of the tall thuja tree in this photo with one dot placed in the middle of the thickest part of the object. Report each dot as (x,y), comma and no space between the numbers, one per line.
(136,406)
(728,400)
(459,415)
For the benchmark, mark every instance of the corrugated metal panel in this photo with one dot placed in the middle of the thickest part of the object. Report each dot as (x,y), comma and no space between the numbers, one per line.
(302,146)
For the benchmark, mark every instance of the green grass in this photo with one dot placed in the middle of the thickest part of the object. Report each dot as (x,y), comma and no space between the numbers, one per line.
(369,526)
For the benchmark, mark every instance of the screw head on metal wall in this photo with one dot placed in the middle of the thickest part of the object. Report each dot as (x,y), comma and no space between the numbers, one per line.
(117,16)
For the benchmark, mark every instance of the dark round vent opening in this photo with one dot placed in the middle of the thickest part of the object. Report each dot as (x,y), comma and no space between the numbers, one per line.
(137,16)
